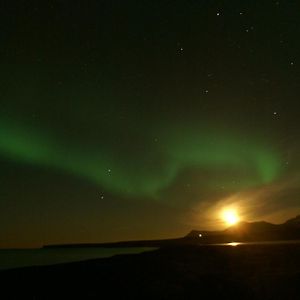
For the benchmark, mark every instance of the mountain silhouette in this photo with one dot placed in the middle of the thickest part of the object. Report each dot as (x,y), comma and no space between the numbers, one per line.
(250,232)
(240,232)
(295,222)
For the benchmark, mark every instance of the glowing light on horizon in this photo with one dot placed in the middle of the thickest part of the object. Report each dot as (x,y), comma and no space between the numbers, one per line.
(230,216)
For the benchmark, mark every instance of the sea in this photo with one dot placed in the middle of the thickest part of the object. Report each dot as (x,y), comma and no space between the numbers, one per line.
(17,258)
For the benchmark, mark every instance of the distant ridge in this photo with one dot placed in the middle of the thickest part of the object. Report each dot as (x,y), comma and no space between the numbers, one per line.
(251,231)
(295,222)
(241,232)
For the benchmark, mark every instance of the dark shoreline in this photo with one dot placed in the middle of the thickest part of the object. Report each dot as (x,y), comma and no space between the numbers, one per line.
(123,244)
(181,272)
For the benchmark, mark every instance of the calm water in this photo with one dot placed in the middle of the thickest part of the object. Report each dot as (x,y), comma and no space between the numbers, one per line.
(38,257)
(33,257)
(234,244)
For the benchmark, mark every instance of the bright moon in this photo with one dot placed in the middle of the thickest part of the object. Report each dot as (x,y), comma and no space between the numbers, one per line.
(230,216)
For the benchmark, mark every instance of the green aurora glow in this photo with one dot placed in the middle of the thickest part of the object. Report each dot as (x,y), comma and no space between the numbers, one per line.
(253,162)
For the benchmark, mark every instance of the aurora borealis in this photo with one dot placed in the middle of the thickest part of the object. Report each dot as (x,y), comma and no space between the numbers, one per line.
(131,119)
(256,164)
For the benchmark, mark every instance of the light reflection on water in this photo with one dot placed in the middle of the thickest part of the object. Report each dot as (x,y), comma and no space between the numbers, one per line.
(234,244)
(231,244)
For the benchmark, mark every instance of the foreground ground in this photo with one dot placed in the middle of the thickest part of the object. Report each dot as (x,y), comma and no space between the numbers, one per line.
(193,272)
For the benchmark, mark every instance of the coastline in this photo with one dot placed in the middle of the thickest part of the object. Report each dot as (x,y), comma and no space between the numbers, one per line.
(186,272)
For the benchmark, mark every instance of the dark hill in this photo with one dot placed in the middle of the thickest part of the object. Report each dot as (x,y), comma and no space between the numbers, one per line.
(241,232)
(251,231)
(295,222)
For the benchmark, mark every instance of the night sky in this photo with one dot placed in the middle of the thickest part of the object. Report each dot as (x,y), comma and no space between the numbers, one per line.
(143,119)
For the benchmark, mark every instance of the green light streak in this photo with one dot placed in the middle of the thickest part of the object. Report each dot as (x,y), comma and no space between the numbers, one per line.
(254,163)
